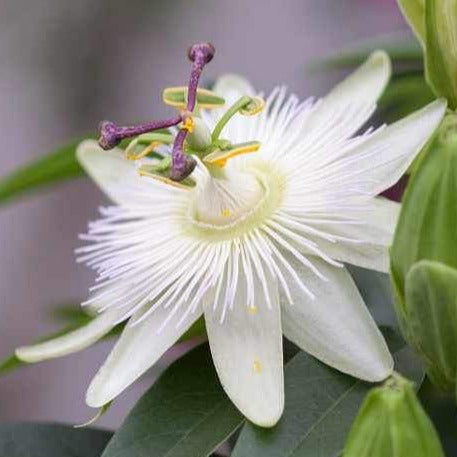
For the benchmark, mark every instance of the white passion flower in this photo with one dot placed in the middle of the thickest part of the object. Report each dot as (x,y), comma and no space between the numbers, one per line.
(256,243)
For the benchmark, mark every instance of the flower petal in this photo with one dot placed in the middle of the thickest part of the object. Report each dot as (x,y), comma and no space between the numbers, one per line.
(71,342)
(386,155)
(336,327)
(113,173)
(247,352)
(347,107)
(374,236)
(232,87)
(138,348)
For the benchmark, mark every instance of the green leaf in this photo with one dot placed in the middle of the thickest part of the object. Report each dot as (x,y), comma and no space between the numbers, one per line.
(50,169)
(414,12)
(431,313)
(12,362)
(48,440)
(184,414)
(441,48)
(428,218)
(404,95)
(402,49)
(320,405)
(376,291)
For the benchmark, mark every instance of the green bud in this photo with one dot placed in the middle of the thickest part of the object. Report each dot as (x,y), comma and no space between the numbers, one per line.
(392,422)
(431,317)
(424,257)
(177,97)
(441,48)
(200,137)
(414,12)
(427,225)
(435,24)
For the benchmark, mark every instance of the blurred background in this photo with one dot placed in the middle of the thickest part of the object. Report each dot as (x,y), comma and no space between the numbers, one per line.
(65,65)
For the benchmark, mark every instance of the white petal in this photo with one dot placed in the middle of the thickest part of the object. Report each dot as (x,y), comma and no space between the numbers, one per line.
(232,87)
(336,327)
(247,353)
(353,100)
(71,342)
(374,236)
(113,173)
(394,148)
(137,349)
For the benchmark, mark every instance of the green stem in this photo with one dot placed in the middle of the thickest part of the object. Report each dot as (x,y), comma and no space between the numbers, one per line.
(240,104)
(146,138)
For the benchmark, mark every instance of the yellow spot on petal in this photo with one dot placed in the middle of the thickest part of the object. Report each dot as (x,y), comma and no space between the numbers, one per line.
(258,367)
(225,212)
(253,309)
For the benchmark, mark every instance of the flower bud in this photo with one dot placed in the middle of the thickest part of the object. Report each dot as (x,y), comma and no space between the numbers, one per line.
(427,224)
(392,422)
(441,48)
(424,258)
(431,319)
(414,12)
(435,24)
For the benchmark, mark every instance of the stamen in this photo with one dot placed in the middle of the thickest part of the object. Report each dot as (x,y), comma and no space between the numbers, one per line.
(148,149)
(143,171)
(248,106)
(220,158)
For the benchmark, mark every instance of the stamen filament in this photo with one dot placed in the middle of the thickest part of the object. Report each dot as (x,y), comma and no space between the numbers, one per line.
(235,108)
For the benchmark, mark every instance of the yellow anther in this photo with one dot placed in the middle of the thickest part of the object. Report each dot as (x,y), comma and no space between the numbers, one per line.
(253,309)
(255,107)
(188,124)
(257,366)
(177,97)
(225,212)
(129,154)
(163,179)
(220,158)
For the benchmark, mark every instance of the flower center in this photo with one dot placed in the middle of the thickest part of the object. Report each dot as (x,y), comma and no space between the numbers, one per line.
(233,204)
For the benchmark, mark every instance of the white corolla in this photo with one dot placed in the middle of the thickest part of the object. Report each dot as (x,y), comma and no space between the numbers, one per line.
(257,246)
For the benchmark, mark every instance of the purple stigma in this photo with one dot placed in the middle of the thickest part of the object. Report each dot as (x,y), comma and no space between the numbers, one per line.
(111,135)
(200,54)
(182,164)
